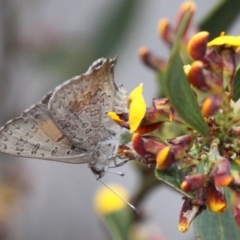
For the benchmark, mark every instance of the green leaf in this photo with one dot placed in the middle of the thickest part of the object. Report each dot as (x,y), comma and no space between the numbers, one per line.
(160,80)
(212,226)
(118,224)
(221,17)
(179,91)
(236,89)
(173,177)
(235,166)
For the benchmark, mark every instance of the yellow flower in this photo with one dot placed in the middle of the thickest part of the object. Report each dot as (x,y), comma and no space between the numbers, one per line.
(107,202)
(228,41)
(137,108)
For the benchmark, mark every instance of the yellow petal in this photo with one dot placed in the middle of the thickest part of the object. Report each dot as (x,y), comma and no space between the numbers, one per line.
(137,108)
(137,111)
(135,93)
(106,201)
(229,41)
(114,117)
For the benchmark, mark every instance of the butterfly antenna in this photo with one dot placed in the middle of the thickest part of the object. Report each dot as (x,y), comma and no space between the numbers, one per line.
(129,204)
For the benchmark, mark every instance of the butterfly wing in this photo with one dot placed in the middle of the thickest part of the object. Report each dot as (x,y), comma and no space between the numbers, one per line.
(79,106)
(35,135)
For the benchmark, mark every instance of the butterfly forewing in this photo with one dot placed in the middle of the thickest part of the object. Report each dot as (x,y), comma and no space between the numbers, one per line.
(79,107)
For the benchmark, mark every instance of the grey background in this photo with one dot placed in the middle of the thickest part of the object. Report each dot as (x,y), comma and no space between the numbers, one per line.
(59,204)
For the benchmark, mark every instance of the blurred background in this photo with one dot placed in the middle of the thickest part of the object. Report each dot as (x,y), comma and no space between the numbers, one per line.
(43,43)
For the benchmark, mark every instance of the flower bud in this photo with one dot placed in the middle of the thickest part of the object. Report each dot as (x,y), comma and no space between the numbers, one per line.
(168,156)
(154,115)
(148,128)
(196,76)
(211,105)
(203,79)
(193,182)
(216,201)
(197,45)
(138,144)
(221,173)
(152,144)
(151,60)
(184,141)
(166,31)
(186,6)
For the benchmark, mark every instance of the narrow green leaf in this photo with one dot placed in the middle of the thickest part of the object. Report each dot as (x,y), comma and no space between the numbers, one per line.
(173,177)
(182,97)
(221,17)
(213,226)
(178,89)
(236,89)
(160,76)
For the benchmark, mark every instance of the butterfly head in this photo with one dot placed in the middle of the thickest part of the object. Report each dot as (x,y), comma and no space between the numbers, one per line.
(99,169)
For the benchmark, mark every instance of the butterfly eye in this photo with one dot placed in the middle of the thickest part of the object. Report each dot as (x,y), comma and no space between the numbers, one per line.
(98,168)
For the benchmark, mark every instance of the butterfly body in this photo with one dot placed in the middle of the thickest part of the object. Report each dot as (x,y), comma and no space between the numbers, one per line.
(70,124)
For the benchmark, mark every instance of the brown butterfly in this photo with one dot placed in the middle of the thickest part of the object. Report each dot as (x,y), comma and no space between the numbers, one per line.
(70,124)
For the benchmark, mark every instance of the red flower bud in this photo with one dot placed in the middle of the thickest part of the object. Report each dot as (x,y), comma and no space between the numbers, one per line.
(221,173)
(166,31)
(193,182)
(153,144)
(184,141)
(151,60)
(196,76)
(138,144)
(143,129)
(203,79)
(197,45)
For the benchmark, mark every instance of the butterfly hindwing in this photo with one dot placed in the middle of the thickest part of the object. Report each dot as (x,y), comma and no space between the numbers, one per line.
(34,134)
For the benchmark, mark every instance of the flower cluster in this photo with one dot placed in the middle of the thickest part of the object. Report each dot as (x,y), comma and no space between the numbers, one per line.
(209,164)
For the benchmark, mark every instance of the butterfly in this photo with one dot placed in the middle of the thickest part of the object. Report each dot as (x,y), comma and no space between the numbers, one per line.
(70,124)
